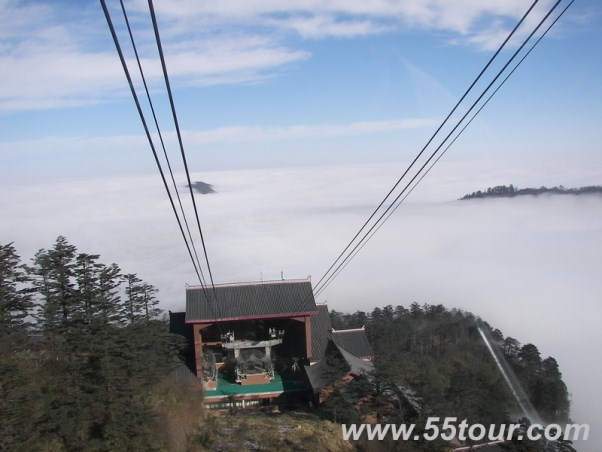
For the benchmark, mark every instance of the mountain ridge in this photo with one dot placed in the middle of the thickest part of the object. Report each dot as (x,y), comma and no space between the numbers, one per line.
(510,191)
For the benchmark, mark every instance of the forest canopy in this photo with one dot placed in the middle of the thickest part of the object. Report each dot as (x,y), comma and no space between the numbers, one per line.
(510,191)
(84,345)
(434,362)
(81,343)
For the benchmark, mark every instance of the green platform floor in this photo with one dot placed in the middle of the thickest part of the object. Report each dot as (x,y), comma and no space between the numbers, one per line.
(277,385)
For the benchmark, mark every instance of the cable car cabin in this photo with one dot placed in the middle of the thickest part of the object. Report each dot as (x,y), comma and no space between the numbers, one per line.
(250,340)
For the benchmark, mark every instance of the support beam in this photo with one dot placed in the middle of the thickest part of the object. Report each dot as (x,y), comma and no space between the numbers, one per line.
(198,346)
(308,337)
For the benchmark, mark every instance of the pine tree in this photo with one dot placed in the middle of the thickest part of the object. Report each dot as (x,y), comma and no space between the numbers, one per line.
(85,381)
(15,299)
(550,394)
(18,403)
(86,273)
(52,273)
(150,302)
(133,308)
(108,300)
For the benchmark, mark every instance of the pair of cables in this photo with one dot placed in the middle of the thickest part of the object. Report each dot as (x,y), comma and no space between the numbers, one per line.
(398,195)
(181,215)
(397,202)
(371,226)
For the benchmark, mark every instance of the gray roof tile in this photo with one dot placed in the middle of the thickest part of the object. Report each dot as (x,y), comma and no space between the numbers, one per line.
(320,331)
(250,300)
(320,373)
(354,341)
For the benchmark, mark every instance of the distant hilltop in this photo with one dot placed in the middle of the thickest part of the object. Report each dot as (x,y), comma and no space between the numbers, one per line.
(203,188)
(510,191)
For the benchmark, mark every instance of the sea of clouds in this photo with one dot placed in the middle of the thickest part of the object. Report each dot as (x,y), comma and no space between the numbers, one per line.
(529,266)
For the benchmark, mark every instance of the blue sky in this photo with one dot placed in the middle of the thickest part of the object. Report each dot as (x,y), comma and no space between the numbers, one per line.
(260,84)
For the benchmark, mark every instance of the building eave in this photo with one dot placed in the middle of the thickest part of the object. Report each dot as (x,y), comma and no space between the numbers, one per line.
(259,317)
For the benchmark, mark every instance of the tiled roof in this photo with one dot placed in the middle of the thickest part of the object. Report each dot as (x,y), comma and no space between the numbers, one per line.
(250,301)
(354,341)
(357,366)
(320,331)
(320,374)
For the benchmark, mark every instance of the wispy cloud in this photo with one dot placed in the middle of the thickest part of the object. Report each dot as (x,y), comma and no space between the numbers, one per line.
(47,61)
(50,65)
(53,62)
(241,59)
(323,26)
(57,79)
(468,22)
(246,134)
(230,134)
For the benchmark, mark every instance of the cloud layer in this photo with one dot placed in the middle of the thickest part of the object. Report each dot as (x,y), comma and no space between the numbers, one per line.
(528,266)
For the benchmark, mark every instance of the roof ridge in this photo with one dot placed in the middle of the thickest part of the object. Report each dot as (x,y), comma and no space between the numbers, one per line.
(254,283)
(350,330)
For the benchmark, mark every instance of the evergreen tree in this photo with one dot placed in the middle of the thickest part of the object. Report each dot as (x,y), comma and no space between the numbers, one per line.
(18,398)
(550,394)
(20,405)
(15,299)
(52,274)
(86,273)
(358,320)
(100,353)
(108,299)
(150,302)
(510,349)
(133,308)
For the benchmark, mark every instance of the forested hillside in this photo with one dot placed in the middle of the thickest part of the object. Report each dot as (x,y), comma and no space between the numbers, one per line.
(81,346)
(85,359)
(436,363)
(510,191)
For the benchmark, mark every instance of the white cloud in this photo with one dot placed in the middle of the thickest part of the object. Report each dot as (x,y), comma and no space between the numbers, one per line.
(72,78)
(246,59)
(528,266)
(44,62)
(58,79)
(338,18)
(322,26)
(56,63)
(230,134)
(243,134)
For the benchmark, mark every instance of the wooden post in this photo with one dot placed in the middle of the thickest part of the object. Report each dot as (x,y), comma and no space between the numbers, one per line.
(308,337)
(198,349)
(198,346)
